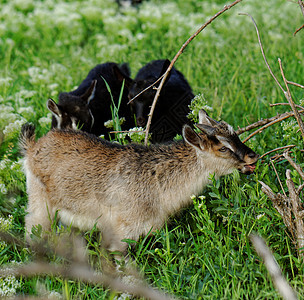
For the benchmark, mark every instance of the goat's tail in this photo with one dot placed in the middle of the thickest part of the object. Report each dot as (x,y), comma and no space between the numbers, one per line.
(27,137)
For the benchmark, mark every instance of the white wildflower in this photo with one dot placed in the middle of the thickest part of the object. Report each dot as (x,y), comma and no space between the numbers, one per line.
(109,124)
(8,286)
(26,112)
(4,163)
(137,134)
(45,121)
(5,80)
(6,223)
(3,189)
(260,216)
(13,128)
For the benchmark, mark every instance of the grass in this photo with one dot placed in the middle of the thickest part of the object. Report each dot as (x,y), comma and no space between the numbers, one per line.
(204,252)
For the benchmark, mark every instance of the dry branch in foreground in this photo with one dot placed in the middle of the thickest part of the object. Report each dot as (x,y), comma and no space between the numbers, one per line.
(273,268)
(290,207)
(75,266)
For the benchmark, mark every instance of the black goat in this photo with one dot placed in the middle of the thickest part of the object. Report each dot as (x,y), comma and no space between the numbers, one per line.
(172,106)
(88,107)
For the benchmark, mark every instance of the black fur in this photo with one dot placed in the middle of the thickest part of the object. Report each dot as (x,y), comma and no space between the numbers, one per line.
(172,106)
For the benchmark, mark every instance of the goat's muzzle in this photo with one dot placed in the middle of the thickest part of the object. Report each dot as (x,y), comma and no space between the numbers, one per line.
(250,163)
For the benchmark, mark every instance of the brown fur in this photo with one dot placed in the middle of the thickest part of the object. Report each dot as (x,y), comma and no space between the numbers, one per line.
(125,190)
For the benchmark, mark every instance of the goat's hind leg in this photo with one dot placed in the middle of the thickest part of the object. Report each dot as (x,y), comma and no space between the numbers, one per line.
(39,211)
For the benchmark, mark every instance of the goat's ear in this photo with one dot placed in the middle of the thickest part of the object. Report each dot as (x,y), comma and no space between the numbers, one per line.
(164,69)
(191,137)
(209,130)
(123,73)
(54,108)
(90,92)
(204,119)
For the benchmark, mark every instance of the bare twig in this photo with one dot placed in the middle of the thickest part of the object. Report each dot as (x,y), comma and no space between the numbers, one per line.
(277,149)
(262,50)
(277,119)
(280,203)
(127,131)
(266,121)
(301,4)
(276,104)
(297,212)
(290,101)
(275,170)
(295,166)
(165,75)
(295,84)
(151,85)
(273,268)
(298,30)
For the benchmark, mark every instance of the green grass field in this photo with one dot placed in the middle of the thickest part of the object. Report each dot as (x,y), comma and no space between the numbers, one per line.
(203,253)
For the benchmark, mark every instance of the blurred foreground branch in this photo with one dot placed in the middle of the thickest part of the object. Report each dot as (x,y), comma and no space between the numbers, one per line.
(273,268)
(75,266)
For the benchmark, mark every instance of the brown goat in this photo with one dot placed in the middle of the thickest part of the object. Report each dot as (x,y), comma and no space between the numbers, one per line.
(125,190)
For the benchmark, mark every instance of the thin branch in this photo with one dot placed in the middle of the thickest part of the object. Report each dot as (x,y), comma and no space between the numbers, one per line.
(295,84)
(281,185)
(277,149)
(127,131)
(297,212)
(290,101)
(294,165)
(279,203)
(301,4)
(298,30)
(276,104)
(300,188)
(266,121)
(156,81)
(273,268)
(276,120)
(262,50)
(175,59)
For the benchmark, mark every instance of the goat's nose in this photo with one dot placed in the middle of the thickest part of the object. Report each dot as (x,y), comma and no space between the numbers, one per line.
(252,154)
(141,121)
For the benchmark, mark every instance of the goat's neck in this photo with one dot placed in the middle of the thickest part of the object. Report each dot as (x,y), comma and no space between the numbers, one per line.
(187,175)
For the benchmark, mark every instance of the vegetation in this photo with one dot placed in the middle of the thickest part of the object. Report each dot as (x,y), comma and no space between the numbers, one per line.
(204,252)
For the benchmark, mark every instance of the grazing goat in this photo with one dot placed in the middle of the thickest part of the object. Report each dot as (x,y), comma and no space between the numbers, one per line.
(172,107)
(88,107)
(127,191)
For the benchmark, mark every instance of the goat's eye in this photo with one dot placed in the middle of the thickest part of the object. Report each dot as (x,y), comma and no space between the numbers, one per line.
(223,149)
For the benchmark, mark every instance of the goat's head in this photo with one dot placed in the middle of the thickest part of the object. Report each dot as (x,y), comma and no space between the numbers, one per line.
(73,111)
(219,139)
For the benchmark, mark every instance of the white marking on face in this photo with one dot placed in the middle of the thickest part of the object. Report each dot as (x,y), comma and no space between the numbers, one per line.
(92,95)
(74,123)
(59,120)
(225,142)
(230,129)
(92,123)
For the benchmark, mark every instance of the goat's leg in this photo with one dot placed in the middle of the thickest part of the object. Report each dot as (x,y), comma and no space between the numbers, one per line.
(39,212)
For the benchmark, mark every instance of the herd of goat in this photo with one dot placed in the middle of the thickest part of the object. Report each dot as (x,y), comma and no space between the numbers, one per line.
(88,107)
(125,190)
